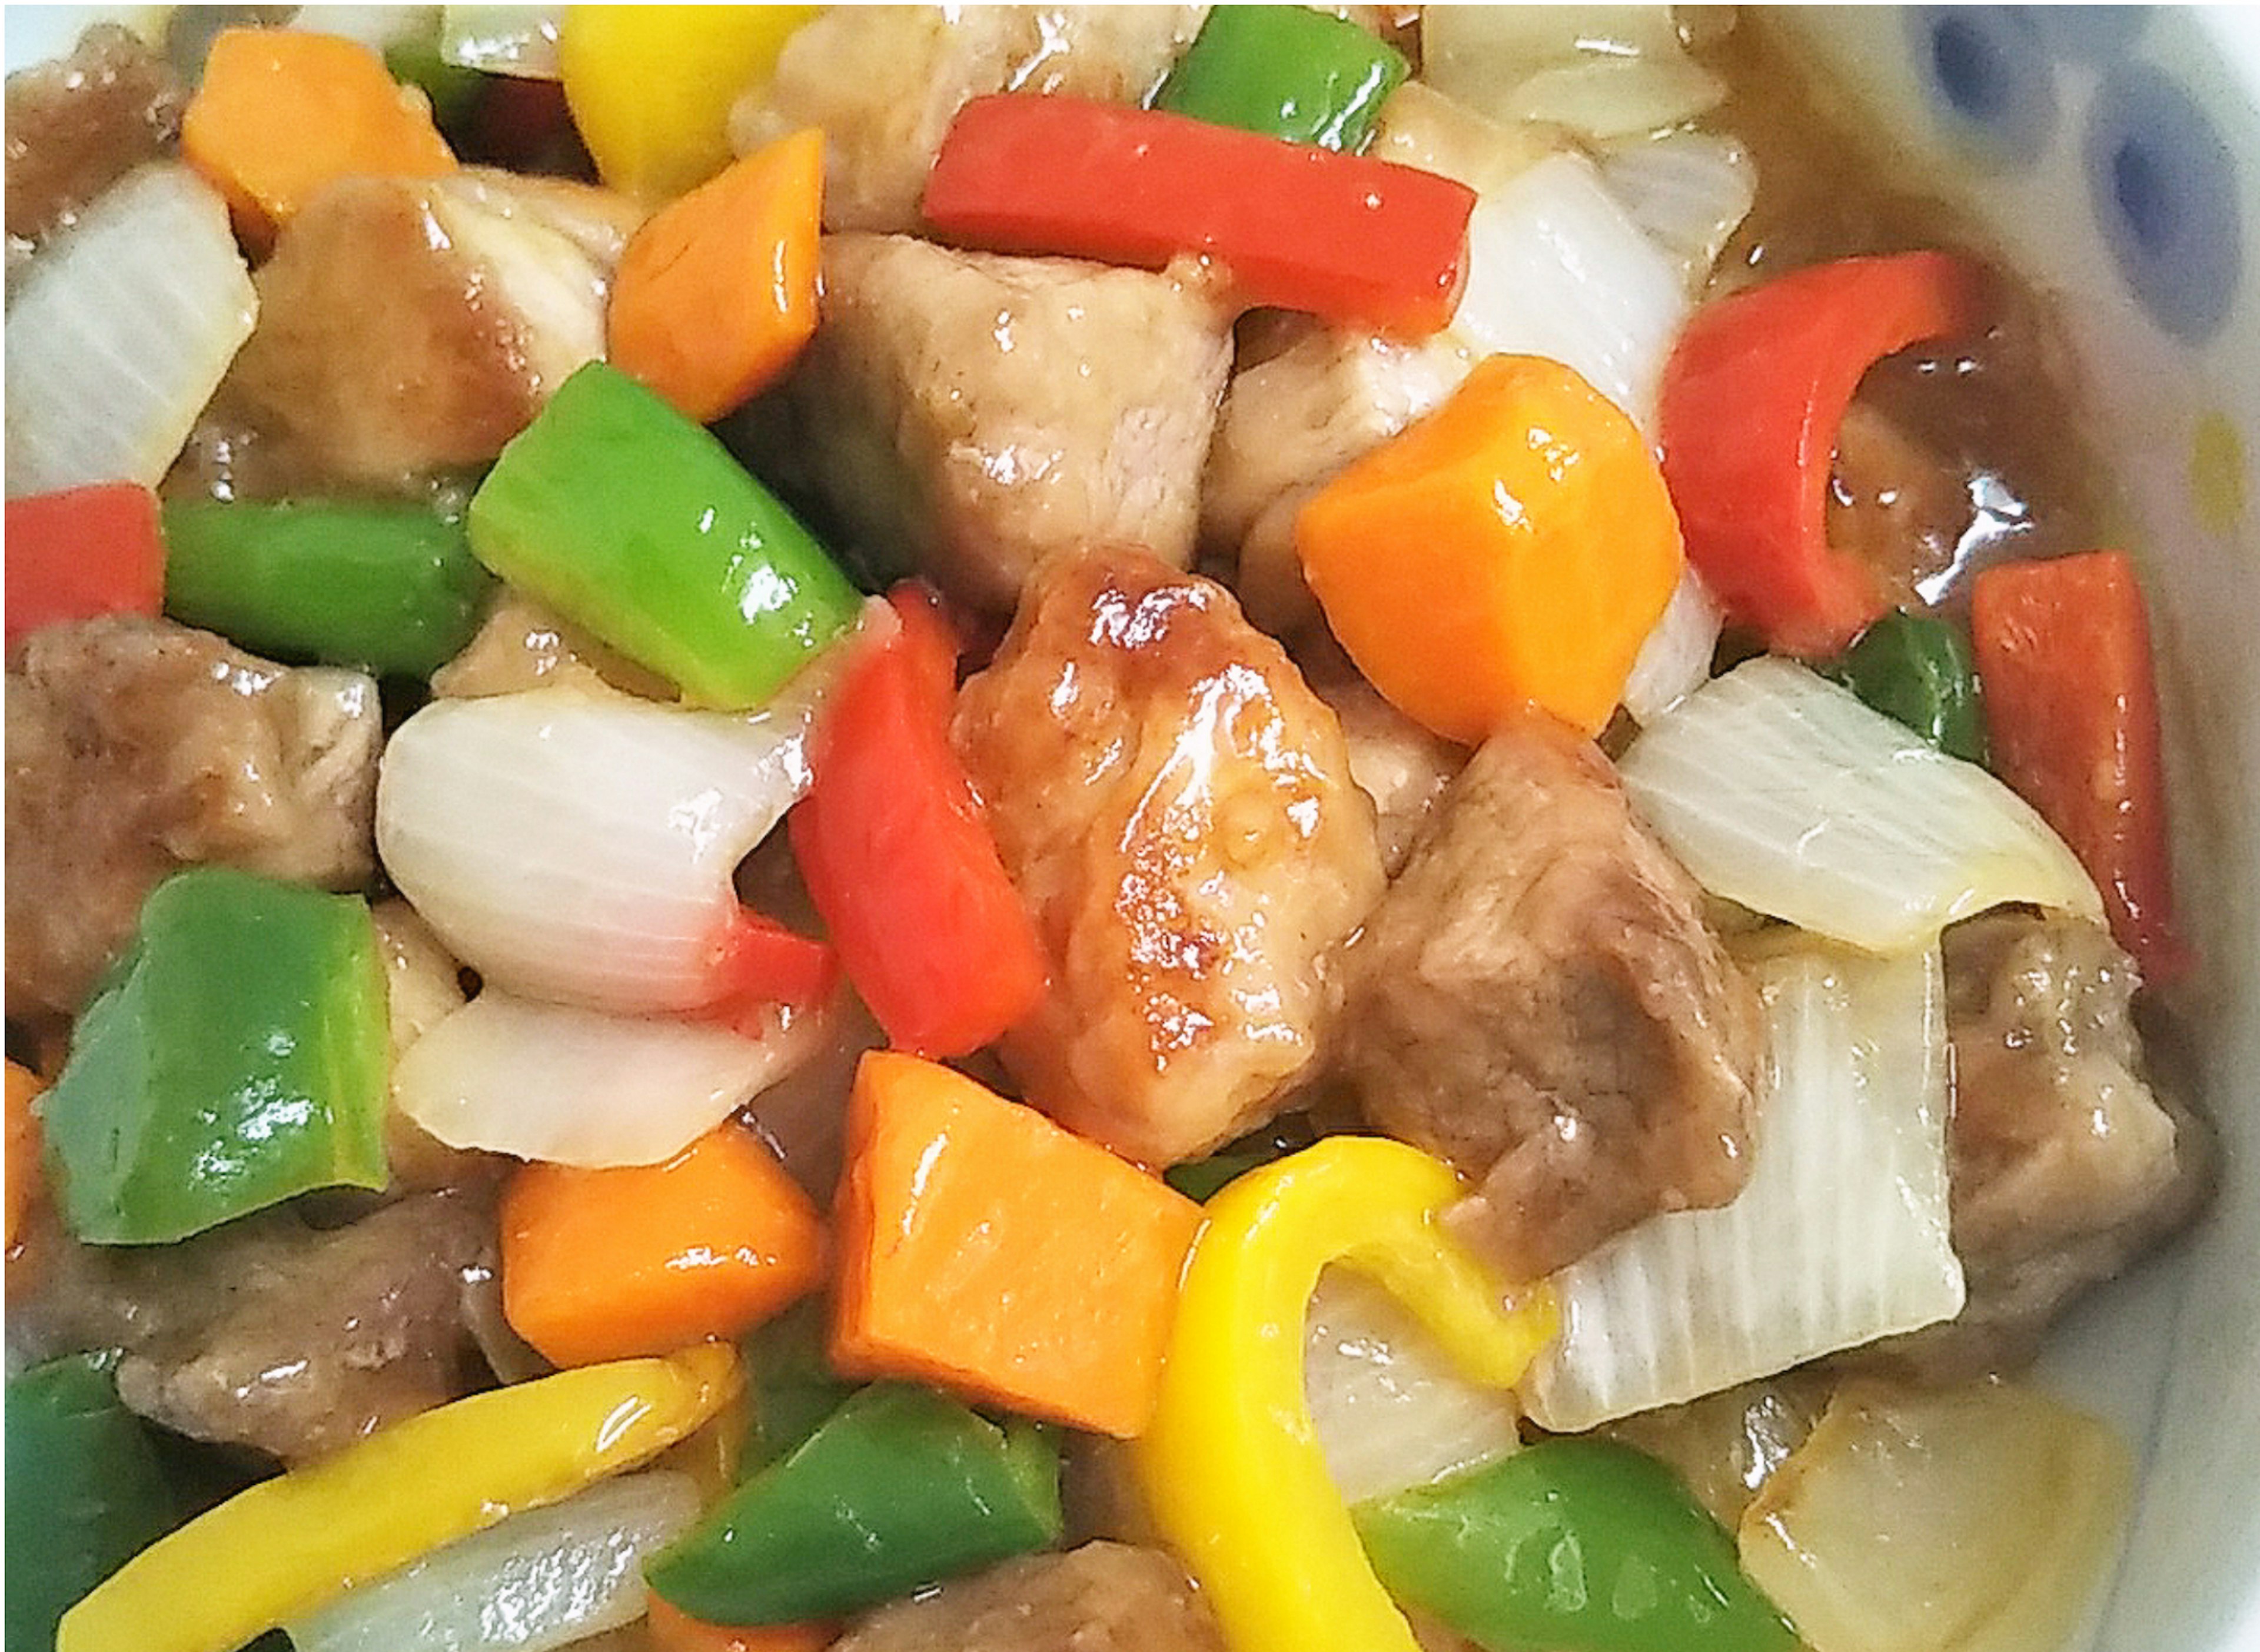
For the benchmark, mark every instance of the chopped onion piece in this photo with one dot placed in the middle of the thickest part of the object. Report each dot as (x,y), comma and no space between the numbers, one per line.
(578,848)
(574,1086)
(520,41)
(120,331)
(540,1580)
(1390,1409)
(1676,659)
(1975,1519)
(1556,268)
(1607,97)
(1481,54)
(1420,127)
(1690,190)
(1839,1237)
(1784,793)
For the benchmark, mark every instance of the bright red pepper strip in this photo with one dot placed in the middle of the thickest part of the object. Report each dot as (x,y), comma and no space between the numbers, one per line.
(1752,399)
(1346,238)
(82,552)
(766,963)
(895,853)
(2064,652)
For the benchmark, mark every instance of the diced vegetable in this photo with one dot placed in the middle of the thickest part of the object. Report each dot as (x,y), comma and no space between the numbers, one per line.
(1675,659)
(897,857)
(1602,72)
(674,1630)
(1062,1307)
(375,1507)
(25,1181)
(540,1580)
(278,113)
(1516,545)
(1574,1546)
(381,586)
(1916,670)
(236,1056)
(1689,192)
(1296,226)
(1783,792)
(1286,71)
(651,86)
(716,293)
(1753,396)
(632,521)
(581,849)
(791,1385)
(118,333)
(570,1086)
(1230,1465)
(1203,1178)
(84,1488)
(2003,1506)
(900,1487)
(2063,649)
(520,41)
(81,552)
(606,1264)
(1839,1237)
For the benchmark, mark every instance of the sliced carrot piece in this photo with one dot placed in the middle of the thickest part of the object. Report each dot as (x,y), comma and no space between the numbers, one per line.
(985,1249)
(674,1630)
(645,1259)
(281,112)
(717,293)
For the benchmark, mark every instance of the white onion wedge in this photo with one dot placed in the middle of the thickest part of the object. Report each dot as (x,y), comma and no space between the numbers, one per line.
(538,1580)
(1557,268)
(579,848)
(1390,1408)
(1839,1237)
(121,331)
(519,41)
(580,1087)
(1603,97)
(1783,793)
(1690,190)
(1676,659)
(1480,54)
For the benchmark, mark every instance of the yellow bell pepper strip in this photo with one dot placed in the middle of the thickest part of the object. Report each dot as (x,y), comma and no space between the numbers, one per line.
(651,87)
(286,1546)
(1231,1463)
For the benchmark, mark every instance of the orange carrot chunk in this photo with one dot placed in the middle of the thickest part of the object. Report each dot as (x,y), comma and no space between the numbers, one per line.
(717,293)
(281,112)
(674,1630)
(645,1259)
(983,1248)
(24,1178)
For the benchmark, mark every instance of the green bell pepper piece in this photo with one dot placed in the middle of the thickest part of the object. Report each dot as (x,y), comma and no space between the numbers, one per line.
(236,1055)
(1286,71)
(790,1387)
(85,1492)
(636,523)
(1203,1179)
(1571,1545)
(1917,668)
(390,587)
(899,1488)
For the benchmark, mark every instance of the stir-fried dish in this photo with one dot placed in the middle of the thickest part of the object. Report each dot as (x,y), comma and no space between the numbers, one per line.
(1233,830)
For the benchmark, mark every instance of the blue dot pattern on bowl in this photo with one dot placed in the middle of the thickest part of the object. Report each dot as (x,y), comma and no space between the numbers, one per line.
(2091,34)
(1991,73)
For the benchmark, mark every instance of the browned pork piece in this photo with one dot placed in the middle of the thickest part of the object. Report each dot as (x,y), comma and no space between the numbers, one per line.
(493,290)
(136,747)
(1538,1000)
(1101,1597)
(2065,1163)
(1176,807)
(885,82)
(269,1335)
(971,414)
(78,124)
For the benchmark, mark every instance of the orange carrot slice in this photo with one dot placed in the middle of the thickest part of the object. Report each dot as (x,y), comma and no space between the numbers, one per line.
(674,1630)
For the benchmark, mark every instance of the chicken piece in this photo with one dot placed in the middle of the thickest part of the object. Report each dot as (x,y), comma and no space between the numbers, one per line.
(1101,1597)
(1539,1001)
(883,82)
(1398,764)
(966,414)
(136,747)
(77,125)
(271,1334)
(2065,1163)
(1288,426)
(1176,807)
(493,291)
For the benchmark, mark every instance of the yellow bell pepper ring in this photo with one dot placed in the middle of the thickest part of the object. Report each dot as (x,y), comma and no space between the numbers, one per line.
(284,1547)
(1231,1463)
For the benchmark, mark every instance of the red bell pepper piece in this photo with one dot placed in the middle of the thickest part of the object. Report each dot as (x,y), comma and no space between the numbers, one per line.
(892,846)
(2064,653)
(1753,396)
(1344,236)
(82,552)
(766,963)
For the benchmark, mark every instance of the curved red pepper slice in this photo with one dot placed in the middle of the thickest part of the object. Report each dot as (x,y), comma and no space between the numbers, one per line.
(1753,395)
